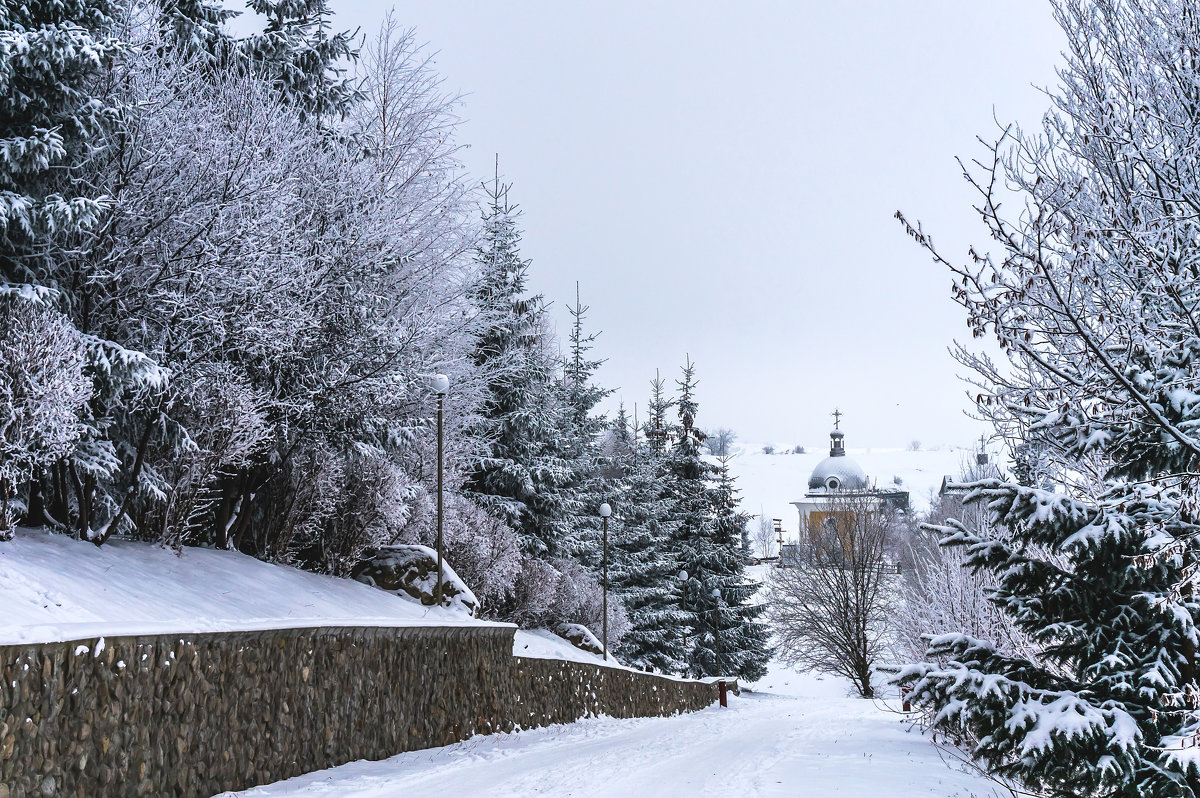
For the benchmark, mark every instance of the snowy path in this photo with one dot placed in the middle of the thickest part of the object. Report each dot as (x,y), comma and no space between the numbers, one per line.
(796,736)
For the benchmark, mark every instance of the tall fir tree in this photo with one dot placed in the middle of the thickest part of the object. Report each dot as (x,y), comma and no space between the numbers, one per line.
(745,641)
(522,477)
(642,564)
(578,443)
(725,637)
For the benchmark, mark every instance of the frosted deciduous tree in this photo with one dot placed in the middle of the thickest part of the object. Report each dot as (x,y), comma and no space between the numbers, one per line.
(43,392)
(765,537)
(719,442)
(939,593)
(1092,293)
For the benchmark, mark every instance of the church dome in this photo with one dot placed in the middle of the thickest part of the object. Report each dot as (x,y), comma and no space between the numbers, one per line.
(837,471)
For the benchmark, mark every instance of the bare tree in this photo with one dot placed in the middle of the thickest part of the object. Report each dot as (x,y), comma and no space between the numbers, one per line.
(831,613)
(765,536)
(719,442)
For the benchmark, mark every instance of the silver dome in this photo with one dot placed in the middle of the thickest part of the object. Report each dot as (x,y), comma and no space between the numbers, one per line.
(838,473)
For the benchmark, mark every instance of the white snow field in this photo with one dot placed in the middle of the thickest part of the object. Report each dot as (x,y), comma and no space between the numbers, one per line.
(796,736)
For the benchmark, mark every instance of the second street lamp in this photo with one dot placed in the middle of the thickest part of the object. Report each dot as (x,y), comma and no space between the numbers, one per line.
(605,512)
(716,594)
(683,579)
(441,384)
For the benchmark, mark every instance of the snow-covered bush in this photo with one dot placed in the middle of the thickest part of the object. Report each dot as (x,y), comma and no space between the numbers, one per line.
(43,391)
(483,550)
(939,593)
(548,594)
(533,594)
(579,598)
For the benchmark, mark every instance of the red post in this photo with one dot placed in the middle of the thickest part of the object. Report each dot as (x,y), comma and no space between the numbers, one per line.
(904,691)
(724,688)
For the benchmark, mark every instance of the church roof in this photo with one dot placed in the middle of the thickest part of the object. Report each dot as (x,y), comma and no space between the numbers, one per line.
(847,473)
(837,471)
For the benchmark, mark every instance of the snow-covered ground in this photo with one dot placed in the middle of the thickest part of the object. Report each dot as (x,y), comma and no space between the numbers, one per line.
(54,588)
(795,735)
(768,482)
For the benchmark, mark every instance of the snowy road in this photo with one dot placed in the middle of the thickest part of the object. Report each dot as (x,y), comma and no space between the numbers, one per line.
(796,736)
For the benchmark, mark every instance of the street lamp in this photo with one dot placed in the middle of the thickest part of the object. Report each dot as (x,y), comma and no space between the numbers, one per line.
(716,594)
(605,512)
(683,579)
(441,384)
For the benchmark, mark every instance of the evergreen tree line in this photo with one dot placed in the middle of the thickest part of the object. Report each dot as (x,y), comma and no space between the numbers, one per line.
(229,268)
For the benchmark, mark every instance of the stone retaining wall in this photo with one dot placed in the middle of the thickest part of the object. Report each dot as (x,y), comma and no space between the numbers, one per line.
(194,715)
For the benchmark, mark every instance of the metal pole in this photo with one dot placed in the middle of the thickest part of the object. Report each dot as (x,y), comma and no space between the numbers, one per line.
(437,594)
(717,633)
(683,628)
(604,555)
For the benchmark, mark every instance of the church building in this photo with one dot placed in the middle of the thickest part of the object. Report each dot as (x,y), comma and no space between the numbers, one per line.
(838,477)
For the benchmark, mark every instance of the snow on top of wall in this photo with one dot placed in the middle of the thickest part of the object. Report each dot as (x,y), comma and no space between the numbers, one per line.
(54,588)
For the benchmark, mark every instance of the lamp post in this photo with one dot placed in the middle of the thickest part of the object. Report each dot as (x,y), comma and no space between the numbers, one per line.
(716,594)
(605,512)
(441,384)
(683,578)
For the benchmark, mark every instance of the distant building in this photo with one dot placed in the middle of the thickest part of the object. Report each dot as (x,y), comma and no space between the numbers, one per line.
(838,477)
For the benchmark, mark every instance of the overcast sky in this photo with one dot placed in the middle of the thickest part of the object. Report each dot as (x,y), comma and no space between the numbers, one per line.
(721,180)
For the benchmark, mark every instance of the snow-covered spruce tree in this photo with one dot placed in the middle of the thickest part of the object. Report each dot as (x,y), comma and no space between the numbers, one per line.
(1094,299)
(297,52)
(711,555)
(521,476)
(729,522)
(195,27)
(745,640)
(642,566)
(53,111)
(578,442)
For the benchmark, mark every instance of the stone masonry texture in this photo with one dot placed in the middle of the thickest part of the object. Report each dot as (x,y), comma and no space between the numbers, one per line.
(198,714)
